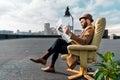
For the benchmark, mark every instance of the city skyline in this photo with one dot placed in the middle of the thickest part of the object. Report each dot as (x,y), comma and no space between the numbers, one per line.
(32,14)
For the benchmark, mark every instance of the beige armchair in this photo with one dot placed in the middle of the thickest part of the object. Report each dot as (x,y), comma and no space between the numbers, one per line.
(87,53)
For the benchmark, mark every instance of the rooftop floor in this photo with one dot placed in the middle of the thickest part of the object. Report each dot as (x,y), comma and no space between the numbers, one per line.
(15,63)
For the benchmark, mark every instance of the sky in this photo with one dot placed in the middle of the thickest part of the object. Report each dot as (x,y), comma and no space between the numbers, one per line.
(32,14)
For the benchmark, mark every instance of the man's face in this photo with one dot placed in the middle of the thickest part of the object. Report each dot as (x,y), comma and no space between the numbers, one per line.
(83,23)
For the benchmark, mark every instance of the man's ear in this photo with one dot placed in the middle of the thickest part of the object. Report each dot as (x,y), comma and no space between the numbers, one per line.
(88,21)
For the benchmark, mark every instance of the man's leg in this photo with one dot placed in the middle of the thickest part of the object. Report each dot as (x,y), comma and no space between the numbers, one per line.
(61,47)
(48,53)
(56,48)
(51,68)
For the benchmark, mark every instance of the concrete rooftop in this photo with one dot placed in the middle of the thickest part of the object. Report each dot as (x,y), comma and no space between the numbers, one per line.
(15,63)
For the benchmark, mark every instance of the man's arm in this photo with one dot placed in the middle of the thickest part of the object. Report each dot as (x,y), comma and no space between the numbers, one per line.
(85,38)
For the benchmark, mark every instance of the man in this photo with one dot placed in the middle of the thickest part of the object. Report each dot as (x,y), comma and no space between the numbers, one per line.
(60,45)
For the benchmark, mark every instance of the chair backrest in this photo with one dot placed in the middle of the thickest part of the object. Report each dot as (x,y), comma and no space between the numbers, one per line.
(99,31)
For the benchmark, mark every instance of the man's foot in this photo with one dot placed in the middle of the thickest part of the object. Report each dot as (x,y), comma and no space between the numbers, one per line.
(48,69)
(39,60)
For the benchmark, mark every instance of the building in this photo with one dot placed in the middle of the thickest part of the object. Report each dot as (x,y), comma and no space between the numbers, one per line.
(53,31)
(24,32)
(6,32)
(77,31)
(47,29)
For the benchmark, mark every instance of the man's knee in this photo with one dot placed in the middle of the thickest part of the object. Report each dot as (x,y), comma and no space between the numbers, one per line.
(59,40)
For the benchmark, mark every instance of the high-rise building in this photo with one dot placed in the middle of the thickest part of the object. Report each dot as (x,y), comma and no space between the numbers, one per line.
(46,28)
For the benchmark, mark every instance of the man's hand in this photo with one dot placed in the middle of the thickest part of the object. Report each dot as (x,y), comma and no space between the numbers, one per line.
(66,30)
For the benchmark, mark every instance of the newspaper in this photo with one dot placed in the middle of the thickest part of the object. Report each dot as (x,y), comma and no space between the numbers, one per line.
(59,29)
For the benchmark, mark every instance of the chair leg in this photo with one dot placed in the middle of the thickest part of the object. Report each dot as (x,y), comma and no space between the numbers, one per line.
(83,68)
(88,77)
(82,72)
(73,71)
(77,73)
(74,76)
(90,73)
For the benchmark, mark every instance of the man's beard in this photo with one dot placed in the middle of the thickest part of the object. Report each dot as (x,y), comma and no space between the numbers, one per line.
(85,25)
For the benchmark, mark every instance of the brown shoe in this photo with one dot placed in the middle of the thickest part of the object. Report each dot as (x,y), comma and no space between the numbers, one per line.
(39,60)
(48,69)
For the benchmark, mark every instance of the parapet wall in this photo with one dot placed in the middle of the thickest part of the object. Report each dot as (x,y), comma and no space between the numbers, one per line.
(13,36)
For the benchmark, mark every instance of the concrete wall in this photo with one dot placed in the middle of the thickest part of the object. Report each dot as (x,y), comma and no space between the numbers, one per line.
(13,36)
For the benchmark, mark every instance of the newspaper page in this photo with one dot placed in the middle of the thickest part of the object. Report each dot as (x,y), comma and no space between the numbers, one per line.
(59,29)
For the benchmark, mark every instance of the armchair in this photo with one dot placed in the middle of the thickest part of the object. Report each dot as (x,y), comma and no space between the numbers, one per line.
(87,53)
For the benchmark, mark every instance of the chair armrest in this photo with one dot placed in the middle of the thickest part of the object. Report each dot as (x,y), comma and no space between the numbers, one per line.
(82,47)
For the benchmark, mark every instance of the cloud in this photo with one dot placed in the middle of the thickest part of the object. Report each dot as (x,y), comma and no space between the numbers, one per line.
(114,29)
(32,14)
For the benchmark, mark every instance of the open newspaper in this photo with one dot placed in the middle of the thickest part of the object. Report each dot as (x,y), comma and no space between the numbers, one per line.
(59,29)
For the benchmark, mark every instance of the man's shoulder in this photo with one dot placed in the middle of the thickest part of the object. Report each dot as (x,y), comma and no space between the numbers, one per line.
(90,27)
